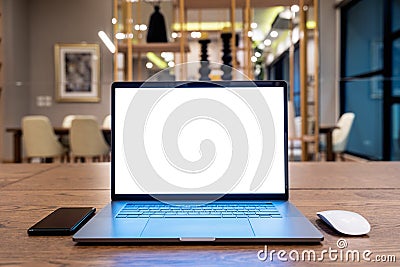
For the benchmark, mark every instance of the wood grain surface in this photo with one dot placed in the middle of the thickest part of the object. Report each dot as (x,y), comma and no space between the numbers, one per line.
(30,191)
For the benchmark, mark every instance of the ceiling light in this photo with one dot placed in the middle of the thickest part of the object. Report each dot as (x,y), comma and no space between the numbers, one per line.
(167,56)
(253,59)
(295,8)
(267,42)
(107,41)
(171,64)
(149,65)
(261,46)
(174,35)
(114,21)
(274,34)
(120,35)
(195,35)
(250,34)
(137,27)
(257,54)
(142,27)
(253,25)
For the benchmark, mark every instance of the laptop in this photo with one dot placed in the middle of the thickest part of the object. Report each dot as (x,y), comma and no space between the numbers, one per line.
(199,162)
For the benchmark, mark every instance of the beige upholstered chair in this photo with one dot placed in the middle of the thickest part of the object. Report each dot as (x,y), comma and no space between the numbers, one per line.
(40,140)
(87,140)
(67,121)
(107,122)
(340,136)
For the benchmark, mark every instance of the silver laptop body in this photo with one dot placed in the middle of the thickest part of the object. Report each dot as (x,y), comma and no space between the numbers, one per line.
(199,162)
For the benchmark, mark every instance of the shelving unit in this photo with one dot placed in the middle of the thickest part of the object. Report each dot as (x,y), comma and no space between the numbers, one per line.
(155,47)
(123,13)
(308,107)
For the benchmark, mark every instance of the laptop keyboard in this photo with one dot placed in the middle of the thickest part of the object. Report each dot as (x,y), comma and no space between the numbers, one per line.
(260,210)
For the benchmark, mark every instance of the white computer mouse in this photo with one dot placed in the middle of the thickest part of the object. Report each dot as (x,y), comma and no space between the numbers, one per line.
(345,222)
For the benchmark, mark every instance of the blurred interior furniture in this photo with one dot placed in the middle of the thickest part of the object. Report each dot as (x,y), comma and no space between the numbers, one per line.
(40,140)
(67,122)
(107,126)
(59,131)
(339,136)
(87,140)
(107,122)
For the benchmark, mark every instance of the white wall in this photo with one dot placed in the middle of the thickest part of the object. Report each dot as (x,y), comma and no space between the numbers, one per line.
(16,90)
(328,62)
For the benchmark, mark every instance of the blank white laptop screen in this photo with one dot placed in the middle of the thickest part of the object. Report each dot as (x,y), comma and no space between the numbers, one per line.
(199,140)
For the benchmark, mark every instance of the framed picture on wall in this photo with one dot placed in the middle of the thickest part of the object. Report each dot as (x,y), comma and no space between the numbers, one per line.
(77,69)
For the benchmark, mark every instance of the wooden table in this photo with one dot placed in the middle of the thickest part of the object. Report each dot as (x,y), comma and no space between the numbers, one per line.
(30,191)
(17,139)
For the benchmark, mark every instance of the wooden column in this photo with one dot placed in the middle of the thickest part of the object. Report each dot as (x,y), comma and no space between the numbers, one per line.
(316,79)
(115,30)
(182,38)
(291,60)
(233,40)
(140,40)
(247,40)
(129,31)
(303,79)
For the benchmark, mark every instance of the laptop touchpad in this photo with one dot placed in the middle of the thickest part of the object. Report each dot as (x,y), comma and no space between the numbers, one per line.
(197,227)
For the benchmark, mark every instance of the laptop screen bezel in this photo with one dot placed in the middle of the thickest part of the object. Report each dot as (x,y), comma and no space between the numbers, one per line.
(188,197)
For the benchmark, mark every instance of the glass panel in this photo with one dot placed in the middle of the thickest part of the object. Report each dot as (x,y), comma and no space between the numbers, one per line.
(396,68)
(395,132)
(364,98)
(395,15)
(364,40)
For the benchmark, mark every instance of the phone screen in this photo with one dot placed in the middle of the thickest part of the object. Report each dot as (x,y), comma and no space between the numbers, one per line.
(62,221)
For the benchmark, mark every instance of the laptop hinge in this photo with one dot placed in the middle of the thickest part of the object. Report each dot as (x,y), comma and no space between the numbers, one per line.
(197,239)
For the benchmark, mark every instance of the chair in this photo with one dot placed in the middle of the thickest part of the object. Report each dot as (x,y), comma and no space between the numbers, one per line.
(40,140)
(87,140)
(340,136)
(67,121)
(107,122)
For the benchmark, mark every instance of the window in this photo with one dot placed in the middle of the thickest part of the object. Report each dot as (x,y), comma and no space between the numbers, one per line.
(364,38)
(370,76)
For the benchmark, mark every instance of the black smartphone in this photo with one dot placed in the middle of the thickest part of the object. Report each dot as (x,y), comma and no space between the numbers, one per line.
(63,221)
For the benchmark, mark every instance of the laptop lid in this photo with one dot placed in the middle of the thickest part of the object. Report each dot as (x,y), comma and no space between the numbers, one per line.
(199,140)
